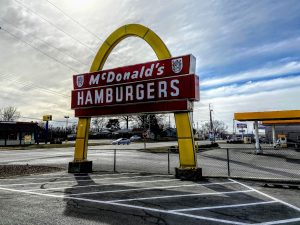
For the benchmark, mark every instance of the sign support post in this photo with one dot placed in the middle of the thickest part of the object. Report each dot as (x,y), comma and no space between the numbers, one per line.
(47,118)
(80,163)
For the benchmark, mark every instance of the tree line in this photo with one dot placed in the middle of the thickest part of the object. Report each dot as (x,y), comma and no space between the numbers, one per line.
(154,123)
(9,114)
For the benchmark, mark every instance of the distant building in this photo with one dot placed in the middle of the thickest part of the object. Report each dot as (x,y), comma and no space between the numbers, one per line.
(18,133)
(169,132)
(292,132)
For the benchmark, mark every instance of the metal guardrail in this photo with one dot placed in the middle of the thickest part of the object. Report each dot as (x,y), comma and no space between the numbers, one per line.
(220,162)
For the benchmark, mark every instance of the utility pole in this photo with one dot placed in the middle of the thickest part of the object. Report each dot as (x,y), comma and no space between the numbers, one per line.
(211,124)
(233,127)
(67,120)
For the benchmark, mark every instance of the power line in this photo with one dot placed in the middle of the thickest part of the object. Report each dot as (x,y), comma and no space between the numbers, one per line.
(52,24)
(16,37)
(51,46)
(49,91)
(75,21)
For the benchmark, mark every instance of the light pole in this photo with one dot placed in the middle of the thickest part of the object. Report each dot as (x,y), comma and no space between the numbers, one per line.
(67,120)
(211,124)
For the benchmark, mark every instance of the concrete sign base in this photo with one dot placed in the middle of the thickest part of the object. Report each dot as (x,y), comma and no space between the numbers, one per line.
(80,167)
(192,174)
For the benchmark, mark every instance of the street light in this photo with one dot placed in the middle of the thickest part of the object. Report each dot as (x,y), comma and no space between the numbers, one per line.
(211,124)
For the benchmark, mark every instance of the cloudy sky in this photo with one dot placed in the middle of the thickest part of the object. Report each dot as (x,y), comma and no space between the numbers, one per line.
(248,52)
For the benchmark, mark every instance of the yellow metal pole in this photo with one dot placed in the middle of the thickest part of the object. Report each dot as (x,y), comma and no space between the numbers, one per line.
(187,155)
(81,145)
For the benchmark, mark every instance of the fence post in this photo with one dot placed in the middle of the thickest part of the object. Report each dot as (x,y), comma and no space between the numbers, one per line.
(228,163)
(168,160)
(115,159)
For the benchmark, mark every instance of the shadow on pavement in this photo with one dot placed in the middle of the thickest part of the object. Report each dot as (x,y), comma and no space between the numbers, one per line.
(113,214)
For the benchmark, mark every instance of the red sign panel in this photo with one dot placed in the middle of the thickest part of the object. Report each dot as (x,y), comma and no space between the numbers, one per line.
(149,107)
(145,71)
(160,86)
(171,88)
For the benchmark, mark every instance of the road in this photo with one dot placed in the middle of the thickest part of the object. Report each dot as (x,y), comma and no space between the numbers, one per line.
(61,156)
(243,161)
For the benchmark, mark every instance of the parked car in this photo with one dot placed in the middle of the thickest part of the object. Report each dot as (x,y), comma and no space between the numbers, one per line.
(135,138)
(56,141)
(121,141)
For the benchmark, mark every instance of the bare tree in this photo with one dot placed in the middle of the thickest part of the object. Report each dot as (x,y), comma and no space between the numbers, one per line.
(219,127)
(113,124)
(143,120)
(154,122)
(99,123)
(127,119)
(9,113)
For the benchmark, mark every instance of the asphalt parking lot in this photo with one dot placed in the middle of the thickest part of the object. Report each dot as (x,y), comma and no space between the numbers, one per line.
(135,198)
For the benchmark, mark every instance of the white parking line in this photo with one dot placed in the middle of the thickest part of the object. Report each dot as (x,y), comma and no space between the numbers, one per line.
(59,182)
(266,195)
(224,206)
(98,185)
(279,221)
(122,183)
(179,196)
(147,188)
(128,206)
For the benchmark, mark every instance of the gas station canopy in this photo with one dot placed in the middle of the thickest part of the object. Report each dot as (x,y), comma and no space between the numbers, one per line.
(274,116)
(269,118)
(280,122)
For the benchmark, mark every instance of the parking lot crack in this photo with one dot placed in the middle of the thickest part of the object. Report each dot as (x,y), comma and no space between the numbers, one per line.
(159,219)
(43,185)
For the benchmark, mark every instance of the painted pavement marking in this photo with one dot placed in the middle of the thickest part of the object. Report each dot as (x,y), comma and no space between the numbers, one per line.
(179,211)
(98,185)
(147,188)
(127,206)
(269,196)
(224,206)
(180,196)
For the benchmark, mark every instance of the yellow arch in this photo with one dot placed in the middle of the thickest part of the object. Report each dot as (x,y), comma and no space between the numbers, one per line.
(184,130)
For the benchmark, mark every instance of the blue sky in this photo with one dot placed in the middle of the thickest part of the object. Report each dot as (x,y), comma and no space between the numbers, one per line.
(248,52)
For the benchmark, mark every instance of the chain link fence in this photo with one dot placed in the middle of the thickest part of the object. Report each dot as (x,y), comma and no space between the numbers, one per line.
(281,164)
(133,160)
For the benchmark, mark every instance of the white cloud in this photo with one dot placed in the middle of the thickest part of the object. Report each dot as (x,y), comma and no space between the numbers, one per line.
(252,87)
(267,72)
(217,33)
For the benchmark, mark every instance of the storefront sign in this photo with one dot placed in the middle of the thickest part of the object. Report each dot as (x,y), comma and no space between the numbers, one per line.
(147,87)
(241,125)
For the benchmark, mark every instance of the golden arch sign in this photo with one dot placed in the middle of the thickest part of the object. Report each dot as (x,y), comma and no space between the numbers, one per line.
(83,99)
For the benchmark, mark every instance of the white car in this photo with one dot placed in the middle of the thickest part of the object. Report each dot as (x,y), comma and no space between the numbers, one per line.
(135,138)
(121,141)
